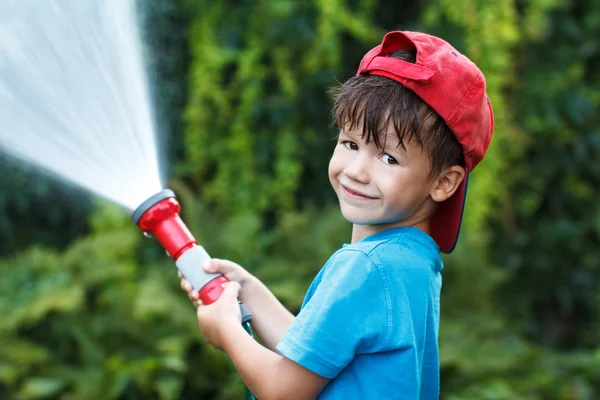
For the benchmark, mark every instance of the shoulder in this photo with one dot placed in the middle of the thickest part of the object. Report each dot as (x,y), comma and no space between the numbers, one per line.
(350,263)
(397,247)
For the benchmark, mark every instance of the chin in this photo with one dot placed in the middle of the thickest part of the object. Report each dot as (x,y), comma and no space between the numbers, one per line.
(356,219)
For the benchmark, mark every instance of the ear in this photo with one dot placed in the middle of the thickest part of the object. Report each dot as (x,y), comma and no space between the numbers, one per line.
(447,182)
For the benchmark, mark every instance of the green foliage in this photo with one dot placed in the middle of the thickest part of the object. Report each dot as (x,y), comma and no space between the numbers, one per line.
(258,114)
(537,275)
(93,322)
(34,206)
(241,91)
(553,261)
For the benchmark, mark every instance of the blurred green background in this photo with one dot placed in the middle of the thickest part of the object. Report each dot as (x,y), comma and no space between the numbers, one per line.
(90,309)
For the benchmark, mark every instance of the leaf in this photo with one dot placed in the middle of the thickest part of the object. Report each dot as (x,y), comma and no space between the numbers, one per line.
(170,387)
(40,387)
(22,352)
(9,373)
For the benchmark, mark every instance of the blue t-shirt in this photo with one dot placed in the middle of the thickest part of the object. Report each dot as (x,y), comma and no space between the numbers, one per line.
(370,319)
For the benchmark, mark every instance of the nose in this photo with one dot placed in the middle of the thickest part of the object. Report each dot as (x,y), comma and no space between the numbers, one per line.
(358,168)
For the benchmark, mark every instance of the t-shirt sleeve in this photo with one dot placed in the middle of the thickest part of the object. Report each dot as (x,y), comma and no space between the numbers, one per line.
(348,314)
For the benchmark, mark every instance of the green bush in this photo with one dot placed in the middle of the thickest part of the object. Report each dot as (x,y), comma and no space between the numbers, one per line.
(241,91)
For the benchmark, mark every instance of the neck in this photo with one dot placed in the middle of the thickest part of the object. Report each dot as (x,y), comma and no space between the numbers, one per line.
(360,232)
(420,220)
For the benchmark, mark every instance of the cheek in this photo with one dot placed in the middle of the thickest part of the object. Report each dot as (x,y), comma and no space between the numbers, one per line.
(335,167)
(394,193)
(332,172)
(402,188)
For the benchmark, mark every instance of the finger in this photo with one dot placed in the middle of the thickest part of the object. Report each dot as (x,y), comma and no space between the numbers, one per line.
(193,295)
(218,265)
(232,290)
(179,274)
(185,285)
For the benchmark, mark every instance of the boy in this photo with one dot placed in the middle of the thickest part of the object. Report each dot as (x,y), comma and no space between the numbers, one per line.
(414,121)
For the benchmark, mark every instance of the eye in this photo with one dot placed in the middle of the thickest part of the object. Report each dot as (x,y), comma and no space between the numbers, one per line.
(386,158)
(350,145)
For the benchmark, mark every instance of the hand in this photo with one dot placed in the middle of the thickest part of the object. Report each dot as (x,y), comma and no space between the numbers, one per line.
(218,317)
(232,271)
(270,319)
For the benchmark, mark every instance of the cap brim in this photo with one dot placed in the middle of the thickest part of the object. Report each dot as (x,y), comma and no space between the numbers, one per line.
(445,224)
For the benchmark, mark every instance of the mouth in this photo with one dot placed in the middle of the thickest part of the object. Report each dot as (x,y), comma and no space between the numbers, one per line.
(356,195)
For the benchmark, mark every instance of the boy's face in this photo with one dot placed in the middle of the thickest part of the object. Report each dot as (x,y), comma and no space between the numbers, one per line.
(379,186)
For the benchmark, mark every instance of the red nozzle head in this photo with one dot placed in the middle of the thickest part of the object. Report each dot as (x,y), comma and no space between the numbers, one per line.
(159,216)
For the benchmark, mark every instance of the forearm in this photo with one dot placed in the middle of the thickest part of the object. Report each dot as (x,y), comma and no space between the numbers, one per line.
(268,375)
(270,319)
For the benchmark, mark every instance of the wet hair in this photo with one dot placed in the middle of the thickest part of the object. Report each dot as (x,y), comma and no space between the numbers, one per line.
(371,103)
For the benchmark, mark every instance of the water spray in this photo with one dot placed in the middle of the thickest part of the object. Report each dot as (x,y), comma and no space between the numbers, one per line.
(75,104)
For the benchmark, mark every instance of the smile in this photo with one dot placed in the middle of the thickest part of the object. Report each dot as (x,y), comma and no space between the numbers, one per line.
(356,195)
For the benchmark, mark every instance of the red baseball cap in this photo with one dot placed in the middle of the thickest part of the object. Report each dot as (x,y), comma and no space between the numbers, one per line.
(452,86)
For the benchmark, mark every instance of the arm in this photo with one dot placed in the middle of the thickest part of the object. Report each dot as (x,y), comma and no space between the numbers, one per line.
(268,375)
(347,314)
(270,319)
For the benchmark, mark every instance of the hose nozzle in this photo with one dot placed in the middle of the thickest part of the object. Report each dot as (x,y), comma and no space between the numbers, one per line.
(159,216)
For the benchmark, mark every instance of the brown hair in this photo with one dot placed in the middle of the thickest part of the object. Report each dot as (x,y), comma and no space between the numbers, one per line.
(375,102)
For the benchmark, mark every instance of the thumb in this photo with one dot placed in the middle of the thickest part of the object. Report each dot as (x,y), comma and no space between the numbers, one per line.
(221,266)
(232,289)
